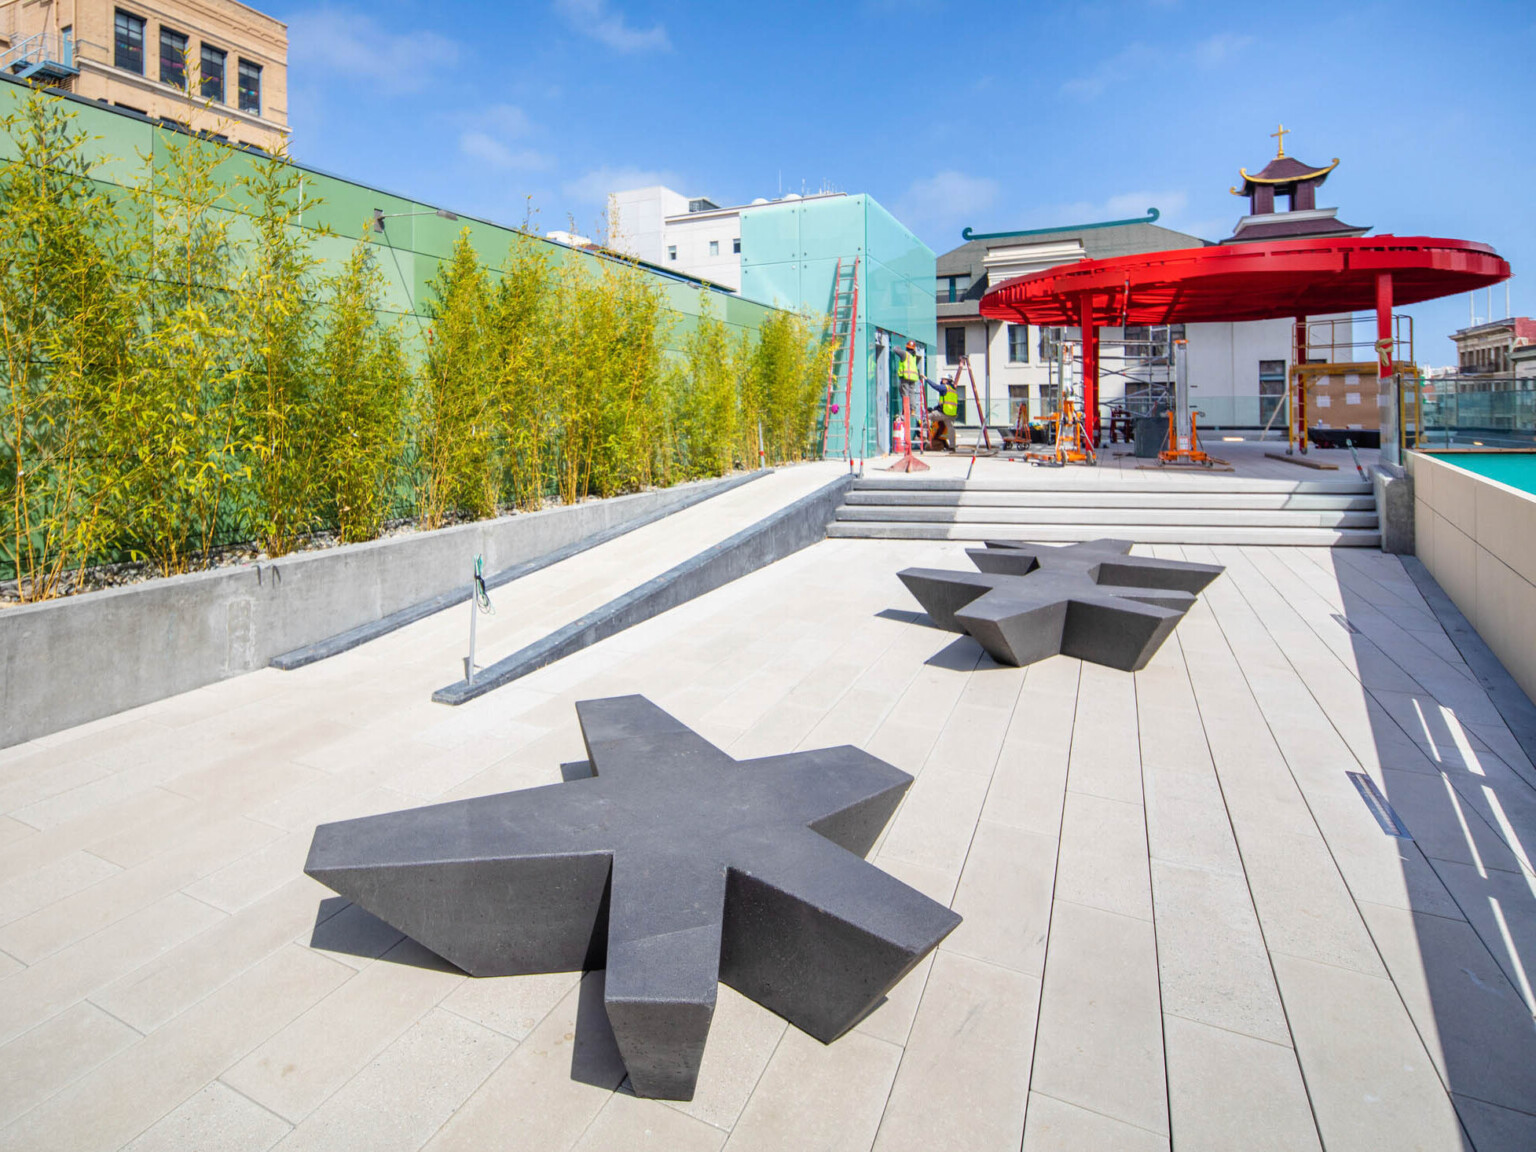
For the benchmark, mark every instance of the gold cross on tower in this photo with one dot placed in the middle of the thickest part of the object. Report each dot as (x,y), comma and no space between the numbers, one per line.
(1280,135)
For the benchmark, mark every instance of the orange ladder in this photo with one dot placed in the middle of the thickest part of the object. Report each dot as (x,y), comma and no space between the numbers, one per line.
(841,322)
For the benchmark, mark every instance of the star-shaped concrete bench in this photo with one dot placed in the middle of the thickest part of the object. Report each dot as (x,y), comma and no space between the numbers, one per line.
(675,866)
(1089,600)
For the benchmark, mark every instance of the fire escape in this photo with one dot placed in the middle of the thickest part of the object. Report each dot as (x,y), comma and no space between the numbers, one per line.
(43,58)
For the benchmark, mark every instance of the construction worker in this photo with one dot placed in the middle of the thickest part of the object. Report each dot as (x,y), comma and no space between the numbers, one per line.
(941,435)
(906,369)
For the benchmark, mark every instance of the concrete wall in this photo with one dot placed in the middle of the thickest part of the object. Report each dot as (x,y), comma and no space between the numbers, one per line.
(67,661)
(1477,537)
(637,220)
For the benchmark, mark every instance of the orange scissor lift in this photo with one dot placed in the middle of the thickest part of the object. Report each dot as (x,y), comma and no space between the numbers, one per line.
(1183,428)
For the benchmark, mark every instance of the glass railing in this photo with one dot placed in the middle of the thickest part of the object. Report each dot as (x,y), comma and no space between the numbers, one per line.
(1461,411)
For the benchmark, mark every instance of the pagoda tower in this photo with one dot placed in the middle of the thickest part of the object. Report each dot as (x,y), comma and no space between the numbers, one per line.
(1287,177)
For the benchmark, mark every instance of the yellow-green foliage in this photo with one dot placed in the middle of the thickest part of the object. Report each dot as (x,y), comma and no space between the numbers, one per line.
(456,418)
(358,415)
(277,287)
(66,335)
(522,340)
(785,385)
(706,396)
(176,376)
(607,367)
(175,434)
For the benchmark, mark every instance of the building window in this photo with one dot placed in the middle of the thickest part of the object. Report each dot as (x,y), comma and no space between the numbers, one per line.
(954,345)
(213,74)
(128,42)
(1271,388)
(714,247)
(1018,343)
(173,59)
(1018,403)
(736,246)
(952,289)
(671,251)
(250,88)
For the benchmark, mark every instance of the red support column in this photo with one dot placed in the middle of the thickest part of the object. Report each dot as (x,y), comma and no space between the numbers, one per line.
(1299,346)
(1090,368)
(1385,355)
(1383,325)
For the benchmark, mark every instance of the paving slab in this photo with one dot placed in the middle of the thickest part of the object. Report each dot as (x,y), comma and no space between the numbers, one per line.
(1100,1035)
(436,1064)
(1056,1126)
(1228,1091)
(1226,949)
(965,1061)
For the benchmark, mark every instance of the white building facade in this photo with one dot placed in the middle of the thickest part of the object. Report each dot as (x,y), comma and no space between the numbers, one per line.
(688,234)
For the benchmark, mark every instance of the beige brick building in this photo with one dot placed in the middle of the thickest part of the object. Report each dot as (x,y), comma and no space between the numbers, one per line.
(214,65)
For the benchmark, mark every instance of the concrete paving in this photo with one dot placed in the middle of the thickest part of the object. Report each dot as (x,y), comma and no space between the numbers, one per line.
(1183,927)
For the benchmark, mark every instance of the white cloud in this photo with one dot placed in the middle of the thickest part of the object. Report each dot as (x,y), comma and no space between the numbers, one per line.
(609,26)
(594,187)
(1129,61)
(946,198)
(329,41)
(1216,50)
(506,120)
(486,148)
(489,140)
(1138,60)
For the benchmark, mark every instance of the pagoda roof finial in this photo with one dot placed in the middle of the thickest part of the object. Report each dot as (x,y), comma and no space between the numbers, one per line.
(1280,135)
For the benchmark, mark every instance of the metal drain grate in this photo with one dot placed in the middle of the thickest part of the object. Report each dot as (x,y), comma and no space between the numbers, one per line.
(1391,823)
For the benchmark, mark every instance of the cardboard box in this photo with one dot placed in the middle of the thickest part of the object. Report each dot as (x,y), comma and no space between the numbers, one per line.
(1344,399)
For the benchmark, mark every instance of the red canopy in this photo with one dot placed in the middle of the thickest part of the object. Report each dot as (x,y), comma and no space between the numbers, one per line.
(1262,281)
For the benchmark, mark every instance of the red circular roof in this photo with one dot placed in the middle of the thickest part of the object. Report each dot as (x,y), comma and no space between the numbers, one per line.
(1264,281)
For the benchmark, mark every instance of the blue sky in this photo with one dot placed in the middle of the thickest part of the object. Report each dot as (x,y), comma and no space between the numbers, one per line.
(997,116)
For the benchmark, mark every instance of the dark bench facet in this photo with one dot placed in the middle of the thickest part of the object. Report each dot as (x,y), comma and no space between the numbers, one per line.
(674,866)
(1092,601)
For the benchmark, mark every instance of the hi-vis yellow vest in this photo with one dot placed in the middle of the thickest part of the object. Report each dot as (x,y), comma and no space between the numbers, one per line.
(951,401)
(906,371)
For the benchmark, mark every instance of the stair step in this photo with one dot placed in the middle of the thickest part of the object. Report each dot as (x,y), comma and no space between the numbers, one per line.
(1151,517)
(1247,501)
(1042,480)
(1138,533)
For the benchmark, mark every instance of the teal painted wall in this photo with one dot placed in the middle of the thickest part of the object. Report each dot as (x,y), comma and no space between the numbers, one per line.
(410,248)
(789,255)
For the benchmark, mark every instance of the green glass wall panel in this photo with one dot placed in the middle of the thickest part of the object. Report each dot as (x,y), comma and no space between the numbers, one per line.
(896,247)
(790,254)
(776,285)
(832,227)
(770,235)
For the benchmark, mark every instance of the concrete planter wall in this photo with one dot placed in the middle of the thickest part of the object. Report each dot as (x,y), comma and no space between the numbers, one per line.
(67,661)
(1477,537)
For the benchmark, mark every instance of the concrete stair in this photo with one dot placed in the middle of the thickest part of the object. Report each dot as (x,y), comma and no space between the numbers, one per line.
(1173,509)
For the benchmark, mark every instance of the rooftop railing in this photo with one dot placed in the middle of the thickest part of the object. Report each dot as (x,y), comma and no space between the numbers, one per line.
(1469,412)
